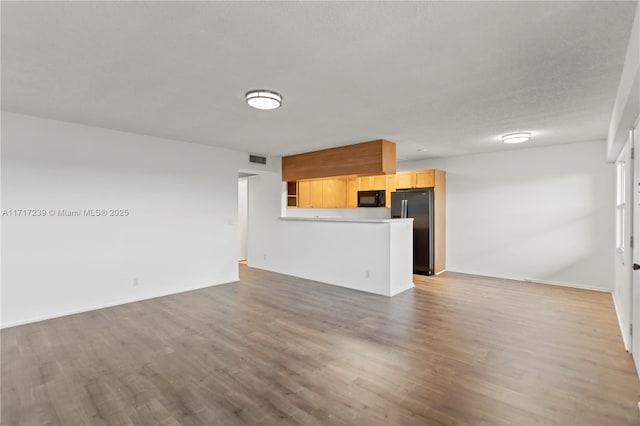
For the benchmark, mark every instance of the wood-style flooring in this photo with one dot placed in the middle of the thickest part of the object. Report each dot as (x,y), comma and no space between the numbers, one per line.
(274,349)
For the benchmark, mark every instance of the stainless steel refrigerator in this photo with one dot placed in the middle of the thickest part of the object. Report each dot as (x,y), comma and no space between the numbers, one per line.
(417,204)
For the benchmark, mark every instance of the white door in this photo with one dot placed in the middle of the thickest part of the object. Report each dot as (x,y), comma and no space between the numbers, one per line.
(635,338)
(622,294)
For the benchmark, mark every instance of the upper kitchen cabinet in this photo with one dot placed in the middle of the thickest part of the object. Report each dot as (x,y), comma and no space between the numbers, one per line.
(322,193)
(368,158)
(304,193)
(317,196)
(391,187)
(415,179)
(352,191)
(342,191)
(292,194)
(366,183)
(334,192)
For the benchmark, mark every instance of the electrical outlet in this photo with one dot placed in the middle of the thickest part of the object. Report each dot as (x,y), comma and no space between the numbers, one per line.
(366,273)
(136,281)
(265,257)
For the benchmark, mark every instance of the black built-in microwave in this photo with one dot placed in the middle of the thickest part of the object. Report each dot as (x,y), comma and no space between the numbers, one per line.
(371,198)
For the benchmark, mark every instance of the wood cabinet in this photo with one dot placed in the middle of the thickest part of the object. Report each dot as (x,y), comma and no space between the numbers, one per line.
(439,220)
(415,179)
(323,193)
(391,187)
(304,193)
(342,191)
(292,194)
(352,192)
(405,180)
(367,158)
(425,178)
(364,183)
(317,198)
(334,193)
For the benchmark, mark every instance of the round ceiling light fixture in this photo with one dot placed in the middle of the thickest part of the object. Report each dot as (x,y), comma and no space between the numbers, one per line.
(516,137)
(264,99)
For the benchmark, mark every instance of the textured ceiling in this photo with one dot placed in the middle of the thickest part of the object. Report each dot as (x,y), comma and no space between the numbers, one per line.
(449,77)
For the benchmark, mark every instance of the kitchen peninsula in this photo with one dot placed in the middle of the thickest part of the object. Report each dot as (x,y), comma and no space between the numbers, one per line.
(332,238)
(372,255)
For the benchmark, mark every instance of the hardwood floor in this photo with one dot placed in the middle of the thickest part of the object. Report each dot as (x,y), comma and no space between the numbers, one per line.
(274,349)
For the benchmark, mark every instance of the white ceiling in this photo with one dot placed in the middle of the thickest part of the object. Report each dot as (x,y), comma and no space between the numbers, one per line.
(450,77)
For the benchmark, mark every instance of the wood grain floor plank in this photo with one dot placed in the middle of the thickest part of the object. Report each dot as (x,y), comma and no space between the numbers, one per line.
(274,349)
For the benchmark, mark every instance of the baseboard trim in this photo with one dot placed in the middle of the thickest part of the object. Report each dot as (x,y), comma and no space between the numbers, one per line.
(621,324)
(103,306)
(537,281)
(403,289)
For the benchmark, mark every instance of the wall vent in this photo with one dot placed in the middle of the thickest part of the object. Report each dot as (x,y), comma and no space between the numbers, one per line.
(257,159)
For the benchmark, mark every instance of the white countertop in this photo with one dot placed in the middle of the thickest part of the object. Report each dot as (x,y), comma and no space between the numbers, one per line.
(345,219)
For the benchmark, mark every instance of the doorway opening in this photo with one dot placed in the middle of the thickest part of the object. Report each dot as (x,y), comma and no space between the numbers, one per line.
(243,215)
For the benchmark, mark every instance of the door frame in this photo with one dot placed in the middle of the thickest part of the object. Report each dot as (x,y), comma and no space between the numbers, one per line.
(623,289)
(243,216)
(635,256)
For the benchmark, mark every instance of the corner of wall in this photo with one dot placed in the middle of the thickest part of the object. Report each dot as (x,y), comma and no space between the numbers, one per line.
(627,103)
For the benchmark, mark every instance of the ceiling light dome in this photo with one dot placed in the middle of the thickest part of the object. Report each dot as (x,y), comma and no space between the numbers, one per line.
(264,99)
(516,137)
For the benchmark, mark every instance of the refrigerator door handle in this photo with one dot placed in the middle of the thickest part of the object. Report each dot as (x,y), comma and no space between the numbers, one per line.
(404,209)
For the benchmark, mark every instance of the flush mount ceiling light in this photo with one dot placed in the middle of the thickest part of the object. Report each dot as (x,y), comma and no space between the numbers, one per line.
(264,99)
(516,137)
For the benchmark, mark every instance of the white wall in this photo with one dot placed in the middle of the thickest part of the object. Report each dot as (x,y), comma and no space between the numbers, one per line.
(243,212)
(266,205)
(181,232)
(627,104)
(543,214)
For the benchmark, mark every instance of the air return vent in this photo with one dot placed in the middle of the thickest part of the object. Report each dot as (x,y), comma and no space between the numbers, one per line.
(257,159)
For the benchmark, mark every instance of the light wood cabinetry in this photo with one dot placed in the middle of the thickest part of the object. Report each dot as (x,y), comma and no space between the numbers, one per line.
(342,191)
(425,178)
(377,182)
(367,158)
(352,192)
(317,196)
(334,192)
(304,193)
(405,180)
(323,193)
(329,193)
(391,187)
(364,183)
(292,194)
(415,179)
(439,220)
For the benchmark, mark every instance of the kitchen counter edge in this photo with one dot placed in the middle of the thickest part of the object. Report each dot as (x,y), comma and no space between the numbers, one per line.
(344,219)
